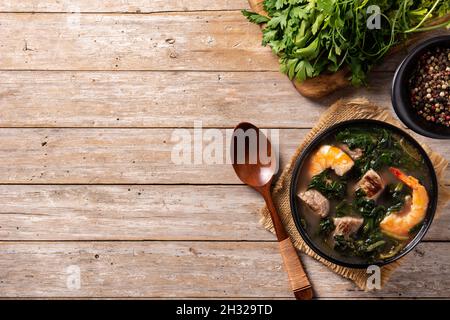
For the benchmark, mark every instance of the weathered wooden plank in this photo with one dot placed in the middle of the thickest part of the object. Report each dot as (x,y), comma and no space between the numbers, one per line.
(151,99)
(124,156)
(165,99)
(136,6)
(218,40)
(130,213)
(194,269)
(156,268)
(423,273)
(169,41)
(51,213)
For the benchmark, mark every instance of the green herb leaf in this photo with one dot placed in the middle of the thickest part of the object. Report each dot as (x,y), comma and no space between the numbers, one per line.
(317,23)
(309,52)
(326,226)
(331,189)
(327,6)
(254,17)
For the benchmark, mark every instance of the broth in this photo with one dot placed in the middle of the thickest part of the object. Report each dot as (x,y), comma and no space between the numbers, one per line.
(370,243)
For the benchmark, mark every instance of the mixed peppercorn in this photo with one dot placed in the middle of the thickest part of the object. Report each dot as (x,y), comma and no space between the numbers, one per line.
(430,86)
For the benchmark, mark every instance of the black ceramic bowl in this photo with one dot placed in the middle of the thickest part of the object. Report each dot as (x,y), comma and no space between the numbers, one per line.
(400,91)
(296,208)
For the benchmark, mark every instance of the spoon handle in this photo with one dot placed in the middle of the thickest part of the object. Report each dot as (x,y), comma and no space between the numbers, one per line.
(298,279)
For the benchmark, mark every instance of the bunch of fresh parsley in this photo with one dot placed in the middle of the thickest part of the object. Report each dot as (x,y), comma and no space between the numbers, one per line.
(316,36)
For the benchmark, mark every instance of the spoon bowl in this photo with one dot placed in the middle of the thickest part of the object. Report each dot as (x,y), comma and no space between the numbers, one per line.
(252,156)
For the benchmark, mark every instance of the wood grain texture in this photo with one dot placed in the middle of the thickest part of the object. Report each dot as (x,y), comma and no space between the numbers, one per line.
(135,6)
(122,74)
(122,156)
(130,212)
(151,99)
(169,41)
(298,279)
(207,41)
(206,269)
(165,99)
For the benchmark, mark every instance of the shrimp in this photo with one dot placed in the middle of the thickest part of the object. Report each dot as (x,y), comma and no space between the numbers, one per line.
(330,157)
(398,225)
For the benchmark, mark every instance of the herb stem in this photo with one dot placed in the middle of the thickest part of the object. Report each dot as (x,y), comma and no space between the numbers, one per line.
(424,18)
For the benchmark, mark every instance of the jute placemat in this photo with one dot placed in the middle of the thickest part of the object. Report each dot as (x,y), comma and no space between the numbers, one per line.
(338,112)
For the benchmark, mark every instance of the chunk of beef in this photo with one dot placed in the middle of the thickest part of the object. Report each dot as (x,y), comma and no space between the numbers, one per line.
(316,202)
(355,154)
(371,183)
(346,226)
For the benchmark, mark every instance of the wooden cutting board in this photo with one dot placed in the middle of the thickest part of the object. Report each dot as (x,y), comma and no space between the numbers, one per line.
(326,84)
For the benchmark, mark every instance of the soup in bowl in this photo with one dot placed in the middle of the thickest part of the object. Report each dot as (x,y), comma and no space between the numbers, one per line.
(363,192)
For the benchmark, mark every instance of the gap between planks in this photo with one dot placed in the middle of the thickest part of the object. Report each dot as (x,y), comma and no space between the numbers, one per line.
(209,41)
(132,156)
(124,13)
(41,99)
(222,270)
(129,6)
(72,213)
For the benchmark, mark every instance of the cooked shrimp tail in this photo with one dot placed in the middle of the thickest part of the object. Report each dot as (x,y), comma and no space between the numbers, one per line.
(408,180)
(330,157)
(398,225)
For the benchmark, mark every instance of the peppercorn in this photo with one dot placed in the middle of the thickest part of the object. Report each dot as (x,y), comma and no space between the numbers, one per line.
(429,86)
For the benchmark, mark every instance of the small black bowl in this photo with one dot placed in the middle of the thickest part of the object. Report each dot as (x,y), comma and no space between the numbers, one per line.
(296,210)
(400,91)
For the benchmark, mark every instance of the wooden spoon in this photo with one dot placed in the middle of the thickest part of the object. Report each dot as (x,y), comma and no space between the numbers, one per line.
(257,171)
(327,83)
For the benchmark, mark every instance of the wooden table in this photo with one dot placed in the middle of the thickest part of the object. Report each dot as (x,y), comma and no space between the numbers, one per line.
(88,104)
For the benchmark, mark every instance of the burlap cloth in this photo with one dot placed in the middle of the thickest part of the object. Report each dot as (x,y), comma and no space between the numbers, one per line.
(338,112)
